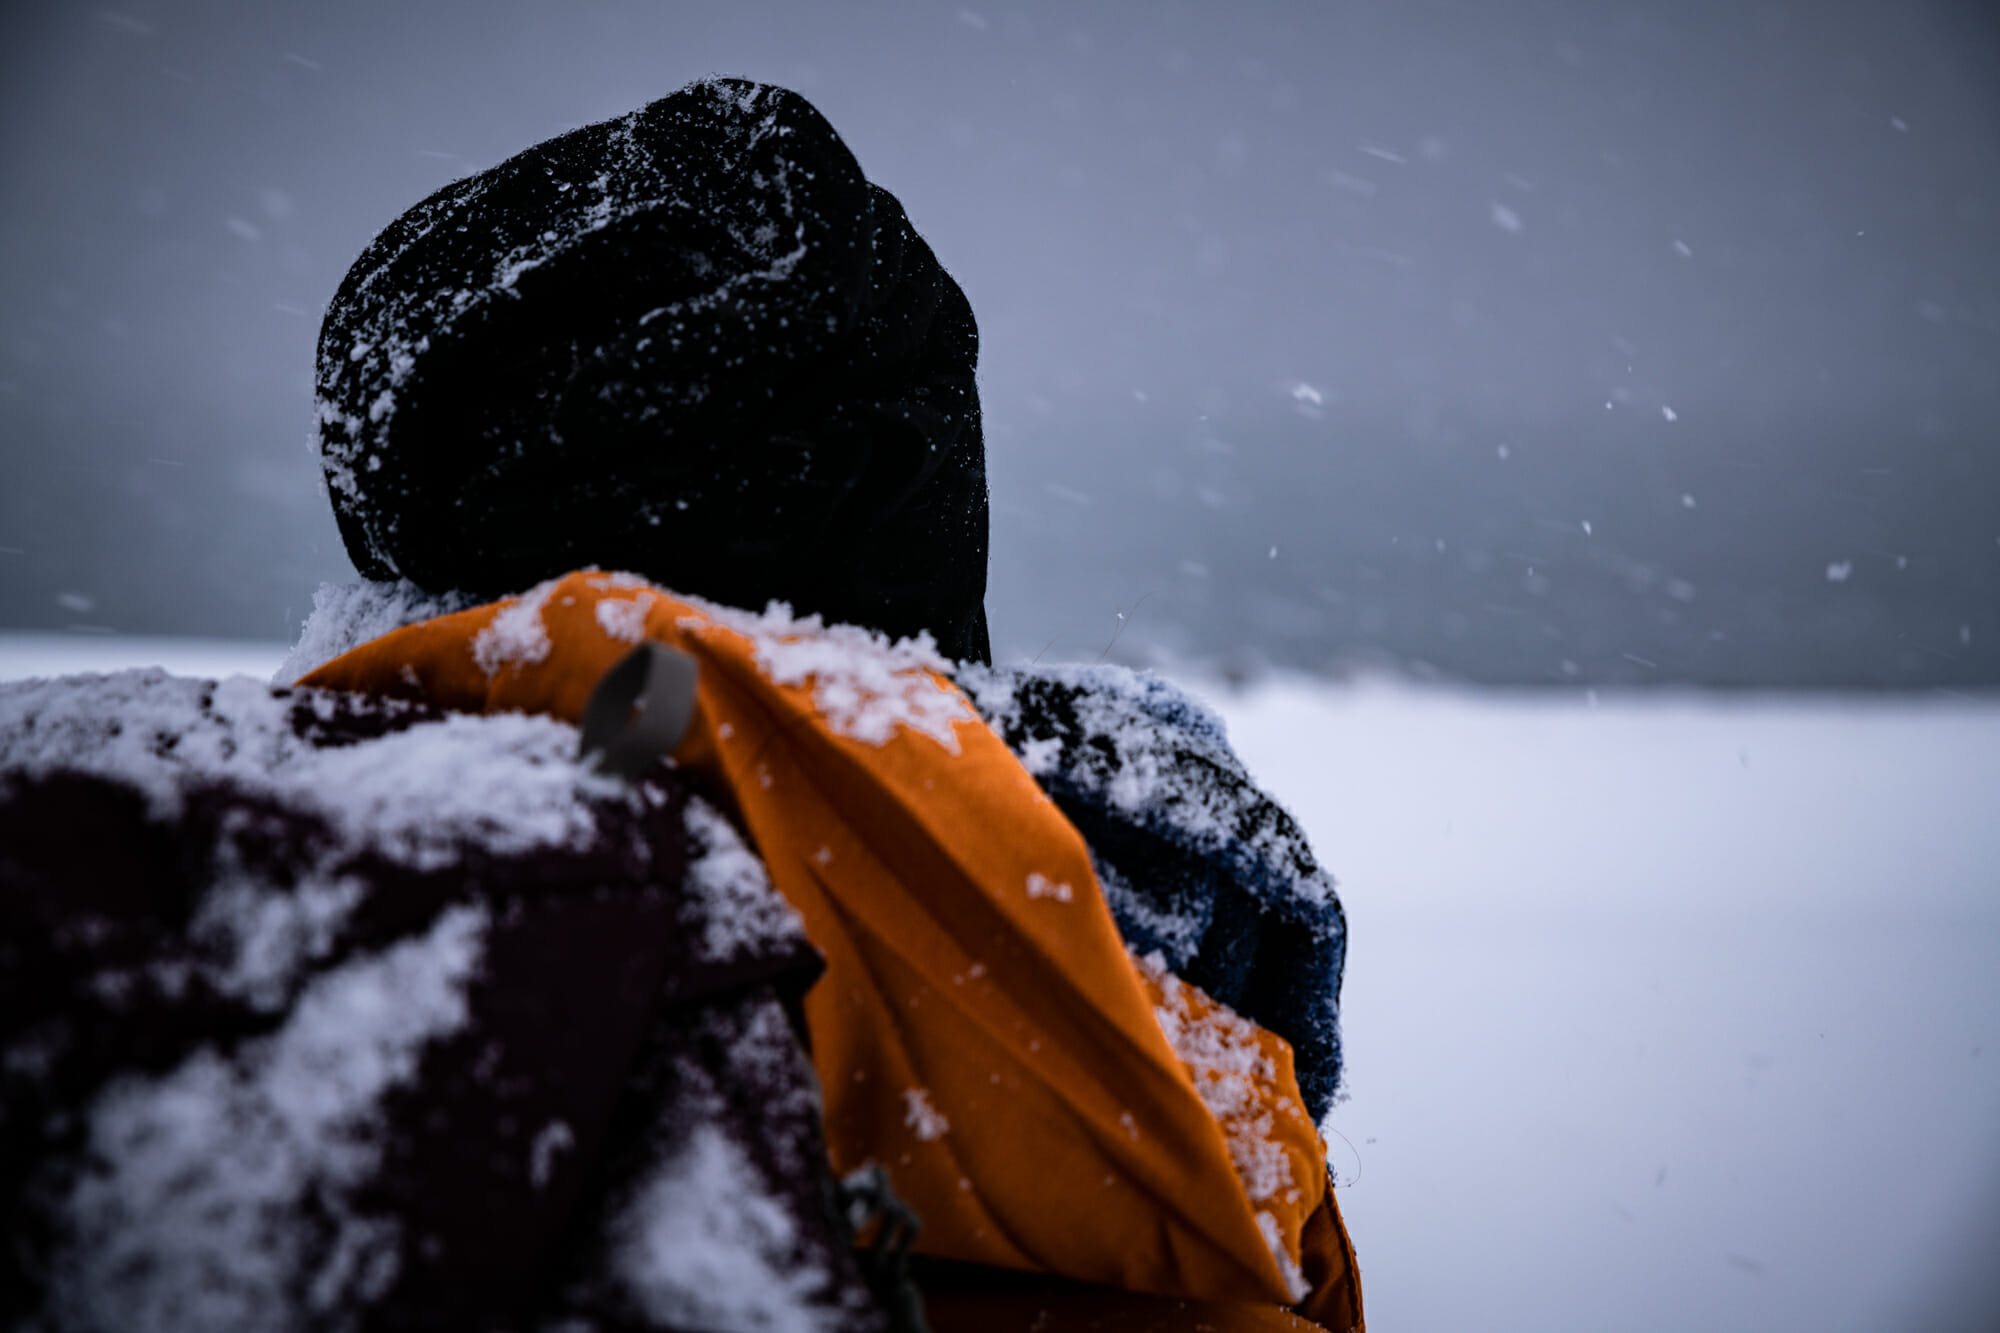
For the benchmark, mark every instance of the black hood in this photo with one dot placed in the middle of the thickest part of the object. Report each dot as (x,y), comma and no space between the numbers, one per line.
(694,343)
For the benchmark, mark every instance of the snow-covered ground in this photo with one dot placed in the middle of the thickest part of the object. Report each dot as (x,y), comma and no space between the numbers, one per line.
(1663,1012)
(1666,1013)
(24,654)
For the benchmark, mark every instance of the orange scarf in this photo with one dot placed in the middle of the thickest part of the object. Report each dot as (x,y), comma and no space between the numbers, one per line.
(980,1030)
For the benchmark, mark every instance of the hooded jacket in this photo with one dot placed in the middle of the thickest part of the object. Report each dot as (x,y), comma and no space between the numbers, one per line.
(980,1009)
(325,842)
(693,341)
(328,1012)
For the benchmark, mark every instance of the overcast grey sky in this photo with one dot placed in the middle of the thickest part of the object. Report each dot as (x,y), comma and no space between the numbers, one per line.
(1541,342)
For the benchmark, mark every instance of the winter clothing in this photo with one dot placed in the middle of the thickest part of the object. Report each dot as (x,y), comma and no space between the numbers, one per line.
(320,1011)
(495,821)
(980,1009)
(1194,860)
(364,1011)
(693,342)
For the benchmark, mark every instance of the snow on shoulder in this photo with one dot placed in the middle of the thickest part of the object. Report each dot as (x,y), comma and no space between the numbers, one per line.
(347,615)
(516,632)
(1133,742)
(509,782)
(867,688)
(1194,859)
(417,795)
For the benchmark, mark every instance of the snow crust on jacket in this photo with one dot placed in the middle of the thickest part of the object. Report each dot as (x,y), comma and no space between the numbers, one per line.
(207,1114)
(185,1219)
(1196,862)
(347,615)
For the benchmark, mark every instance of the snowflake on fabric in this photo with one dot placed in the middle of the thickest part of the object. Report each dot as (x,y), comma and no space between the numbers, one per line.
(1041,886)
(923,1119)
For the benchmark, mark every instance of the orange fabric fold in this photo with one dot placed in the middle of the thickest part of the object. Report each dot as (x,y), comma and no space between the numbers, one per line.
(990,1301)
(980,1030)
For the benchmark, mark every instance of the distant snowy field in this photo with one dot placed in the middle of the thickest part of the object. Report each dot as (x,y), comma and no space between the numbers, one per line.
(1667,1013)
(1662,1012)
(64,654)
